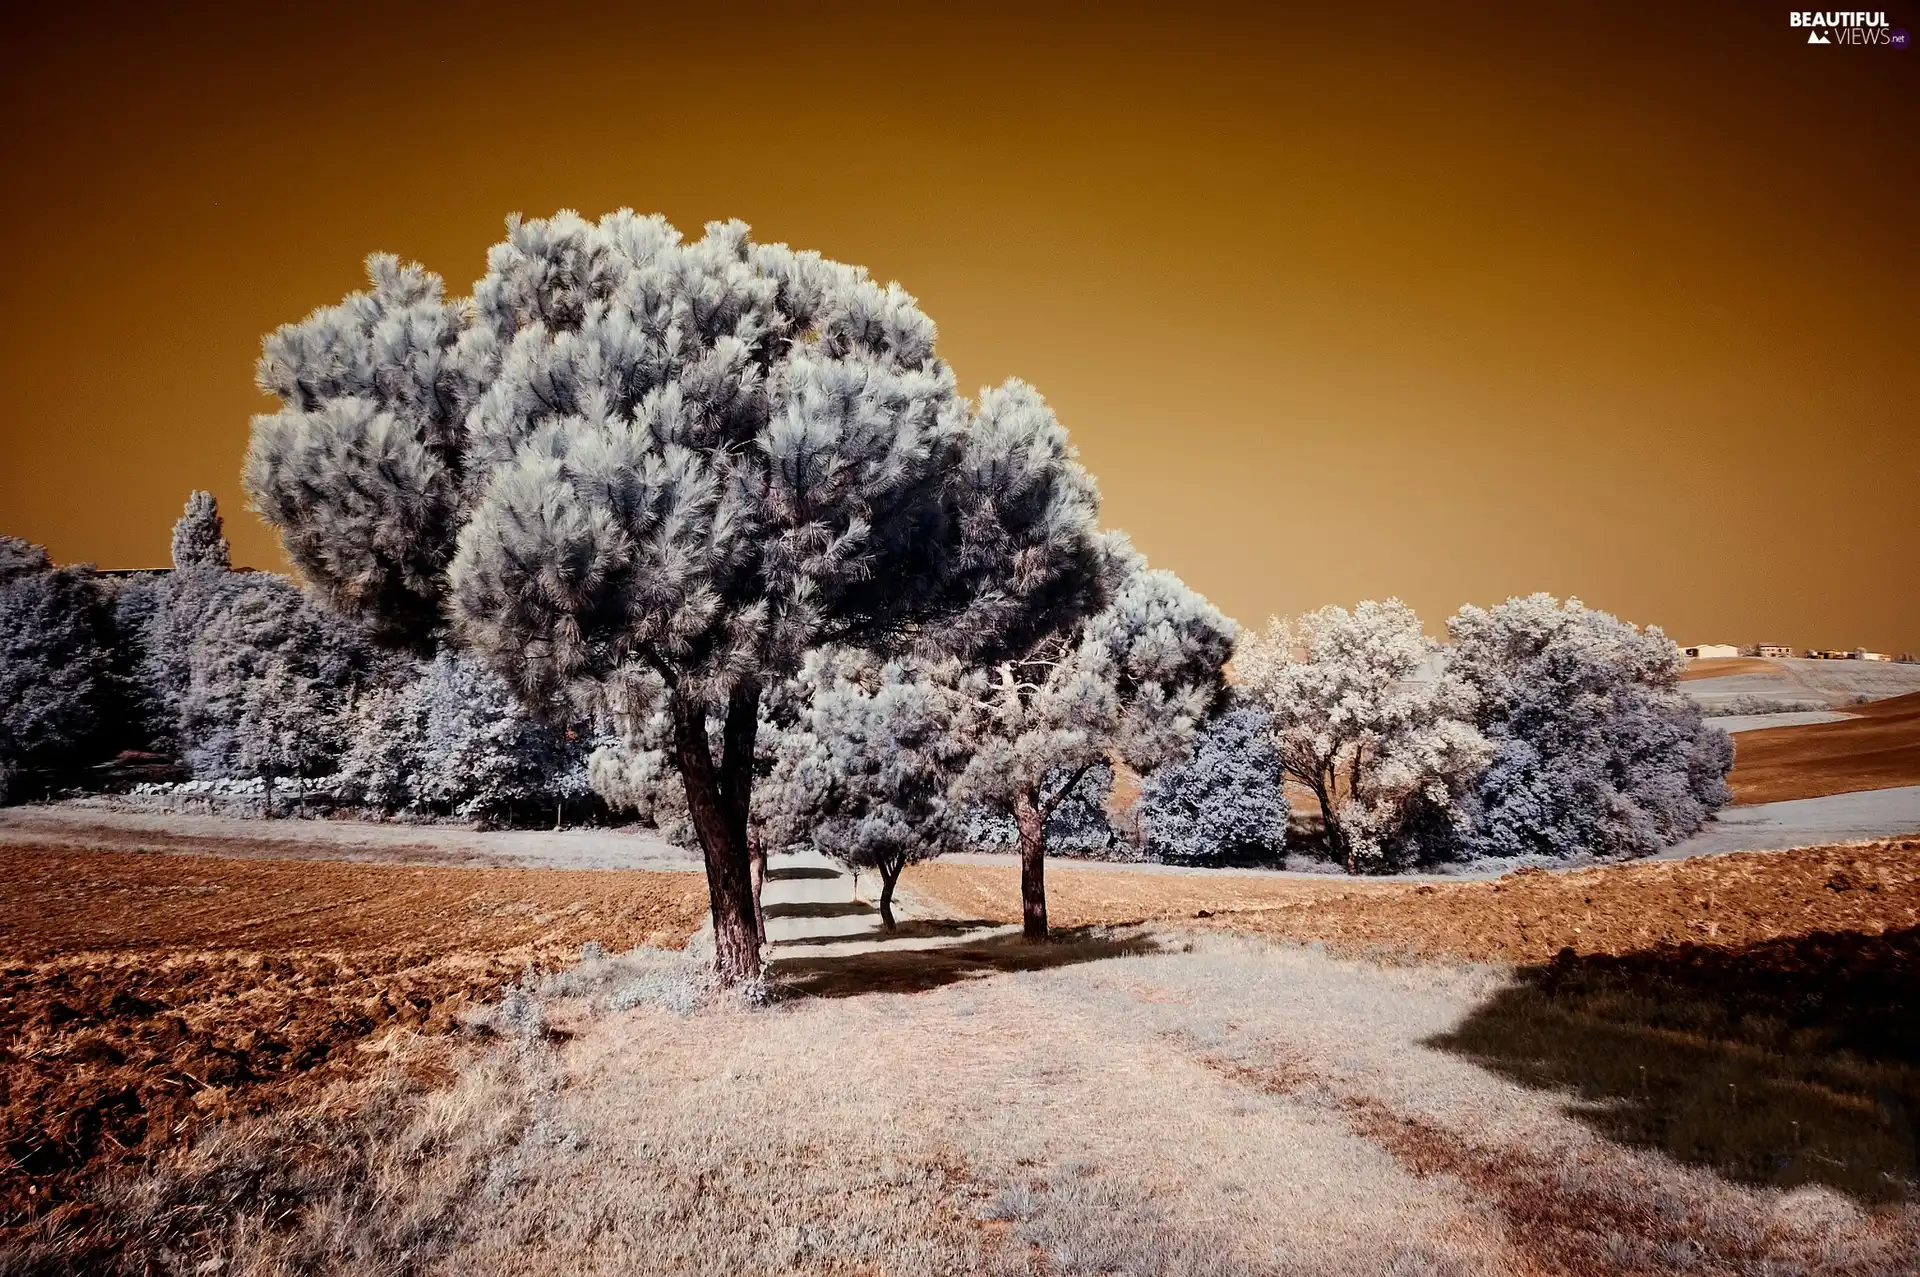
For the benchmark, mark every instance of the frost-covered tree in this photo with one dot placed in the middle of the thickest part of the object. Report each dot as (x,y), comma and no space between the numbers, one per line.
(866,772)
(631,460)
(1078,820)
(1131,683)
(1597,749)
(1366,716)
(221,634)
(198,538)
(452,740)
(1225,801)
(55,667)
(283,728)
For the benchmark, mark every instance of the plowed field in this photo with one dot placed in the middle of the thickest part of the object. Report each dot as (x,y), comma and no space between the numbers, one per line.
(1878,748)
(1725,901)
(142,995)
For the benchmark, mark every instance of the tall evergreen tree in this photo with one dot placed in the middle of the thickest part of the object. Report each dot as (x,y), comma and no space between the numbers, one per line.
(198,538)
(630,461)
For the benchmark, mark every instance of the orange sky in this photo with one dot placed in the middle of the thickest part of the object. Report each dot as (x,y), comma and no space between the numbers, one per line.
(1338,303)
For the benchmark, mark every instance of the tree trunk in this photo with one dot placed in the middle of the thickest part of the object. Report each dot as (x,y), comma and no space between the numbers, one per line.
(757,851)
(1033,868)
(890,874)
(723,840)
(266,779)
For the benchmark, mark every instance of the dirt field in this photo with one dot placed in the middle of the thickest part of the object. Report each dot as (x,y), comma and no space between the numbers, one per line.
(1879,748)
(1724,901)
(143,995)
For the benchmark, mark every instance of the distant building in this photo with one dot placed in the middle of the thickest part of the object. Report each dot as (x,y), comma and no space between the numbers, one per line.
(1711,651)
(1862,654)
(1827,654)
(1775,650)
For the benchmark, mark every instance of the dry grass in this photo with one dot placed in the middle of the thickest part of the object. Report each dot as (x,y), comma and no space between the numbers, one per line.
(1879,748)
(1145,1101)
(1228,1109)
(145,996)
(1731,900)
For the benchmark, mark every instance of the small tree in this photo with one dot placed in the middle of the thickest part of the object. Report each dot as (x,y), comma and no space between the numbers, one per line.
(198,538)
(223,632)
(1132,683)
(867,770)
(1227,801)
(283,727)
(629,460)
(451,739)
(1366,716)
(1597,750)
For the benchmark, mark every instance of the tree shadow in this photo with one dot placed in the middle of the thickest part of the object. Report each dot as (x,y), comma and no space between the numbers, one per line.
(821,909)
(1795,1061)
(800,873)
(918,970)
(917,929)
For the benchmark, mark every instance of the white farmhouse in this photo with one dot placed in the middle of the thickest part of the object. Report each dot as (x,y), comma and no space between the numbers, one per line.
(1711,651)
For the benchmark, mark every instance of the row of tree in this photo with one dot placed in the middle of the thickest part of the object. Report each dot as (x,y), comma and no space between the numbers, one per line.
(719,508)
(225,674)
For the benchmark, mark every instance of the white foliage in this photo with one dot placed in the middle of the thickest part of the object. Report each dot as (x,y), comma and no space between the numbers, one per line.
(198,538)
(54,666)
(1131,684)
(866,771)
(1599,752)
(1360,718)
(453,740)
(284,727)
(1224,802)
(630,451)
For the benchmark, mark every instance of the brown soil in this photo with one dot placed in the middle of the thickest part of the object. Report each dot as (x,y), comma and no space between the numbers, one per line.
(143,995)
(1724,666)
(1878,749)
(1723,901)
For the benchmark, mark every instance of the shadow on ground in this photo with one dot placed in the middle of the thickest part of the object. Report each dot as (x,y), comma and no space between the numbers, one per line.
(800,873)
(916,970)
(822,909)
(1796,1061)
(916,929)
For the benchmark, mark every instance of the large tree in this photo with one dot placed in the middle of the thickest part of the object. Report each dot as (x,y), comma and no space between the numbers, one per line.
(1366,715)
(1131,684)
(629,461)
(1598,750)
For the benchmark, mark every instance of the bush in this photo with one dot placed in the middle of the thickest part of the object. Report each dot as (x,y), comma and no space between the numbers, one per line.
(1225,803)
